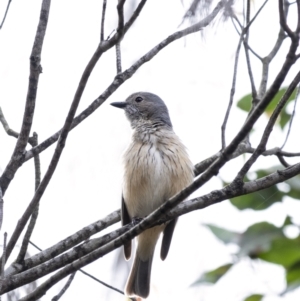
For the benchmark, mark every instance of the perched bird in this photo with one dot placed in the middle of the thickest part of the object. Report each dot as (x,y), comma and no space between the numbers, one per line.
(156,167)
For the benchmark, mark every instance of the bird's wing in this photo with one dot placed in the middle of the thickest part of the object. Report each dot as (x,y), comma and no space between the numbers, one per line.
(167,237)
(125,220)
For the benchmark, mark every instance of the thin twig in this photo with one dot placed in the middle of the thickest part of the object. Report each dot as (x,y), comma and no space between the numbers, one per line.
(6,127)
(34,216)
(65,244)
(135,15)
(245,41)
(1,208)
(62,139)
(3,261)
(102,47)
(3,255)
(91,276)
(234,18)
(118,58)
(6,11)
(282,18)
(64,289)
(103,283)
(265,137)
(291,118)
(102,21)
(232,92)
(35,70)
(125,75)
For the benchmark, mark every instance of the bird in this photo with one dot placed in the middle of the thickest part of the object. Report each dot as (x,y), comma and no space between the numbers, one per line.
(156,167)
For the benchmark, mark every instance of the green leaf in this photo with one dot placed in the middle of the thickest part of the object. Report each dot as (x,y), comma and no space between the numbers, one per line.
(258,238)
(283,251)
(287,222)
(293,277)
(224,235)
(294,184)
(284,118)
(214,275)
(245,103)
(259,200)
(255,297)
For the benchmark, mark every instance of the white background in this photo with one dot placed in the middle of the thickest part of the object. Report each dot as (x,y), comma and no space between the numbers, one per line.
(193,76)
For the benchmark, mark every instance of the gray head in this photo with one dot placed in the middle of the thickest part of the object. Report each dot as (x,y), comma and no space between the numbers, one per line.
(144,107)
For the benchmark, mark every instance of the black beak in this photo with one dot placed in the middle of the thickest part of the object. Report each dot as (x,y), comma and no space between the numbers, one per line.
(120,104)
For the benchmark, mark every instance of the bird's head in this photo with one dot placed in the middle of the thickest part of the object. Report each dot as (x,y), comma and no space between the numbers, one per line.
(145,108)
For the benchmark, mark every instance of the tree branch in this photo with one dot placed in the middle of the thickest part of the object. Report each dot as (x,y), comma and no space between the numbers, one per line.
(102,20)
(265,137)
(5,14)
(65,244)
(104,46)
(34,216)
(35,70)
(159,216)
(64,289)
(125,75)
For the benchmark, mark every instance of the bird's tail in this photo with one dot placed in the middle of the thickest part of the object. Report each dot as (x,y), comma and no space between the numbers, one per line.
(138,283)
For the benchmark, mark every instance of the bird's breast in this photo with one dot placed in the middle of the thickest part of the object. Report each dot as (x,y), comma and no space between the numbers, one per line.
(156,168)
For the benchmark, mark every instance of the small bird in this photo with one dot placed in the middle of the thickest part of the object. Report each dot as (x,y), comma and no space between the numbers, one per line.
(156,167)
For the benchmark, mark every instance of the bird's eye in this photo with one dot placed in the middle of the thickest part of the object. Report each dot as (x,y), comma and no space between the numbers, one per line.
(139,99)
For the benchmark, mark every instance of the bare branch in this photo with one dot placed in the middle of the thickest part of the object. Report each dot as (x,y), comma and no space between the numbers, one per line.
(125,75)
(161,215)
(34,216)
(118,58)
(3,255)
(65,244)
(265,137)
(64,289)
(232,92)
(6,127)
(104,46)
(134,15)
(101,282)
(282,17)
(5,14)
(291,119)
(1,208)
(234,18)
(35,70)
(102,20)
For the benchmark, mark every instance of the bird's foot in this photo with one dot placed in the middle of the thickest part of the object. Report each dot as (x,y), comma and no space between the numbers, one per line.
(135,220)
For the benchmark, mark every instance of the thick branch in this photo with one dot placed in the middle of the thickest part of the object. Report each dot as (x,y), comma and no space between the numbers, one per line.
(159,216)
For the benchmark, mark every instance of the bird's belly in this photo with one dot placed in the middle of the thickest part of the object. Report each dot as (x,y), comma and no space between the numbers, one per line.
(147,181)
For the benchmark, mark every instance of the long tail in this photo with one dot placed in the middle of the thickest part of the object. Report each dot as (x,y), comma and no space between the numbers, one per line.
(138,283)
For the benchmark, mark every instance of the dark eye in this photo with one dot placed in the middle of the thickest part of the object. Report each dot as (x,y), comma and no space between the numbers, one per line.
(139,99)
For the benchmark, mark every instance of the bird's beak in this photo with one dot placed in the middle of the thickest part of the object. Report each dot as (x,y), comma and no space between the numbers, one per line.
(121,104)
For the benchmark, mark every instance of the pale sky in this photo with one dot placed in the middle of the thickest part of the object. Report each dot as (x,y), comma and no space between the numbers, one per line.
(193,76)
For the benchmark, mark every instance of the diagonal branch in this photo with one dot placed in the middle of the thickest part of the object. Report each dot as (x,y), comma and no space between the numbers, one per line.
(5,14)
(34,216)
(35,70)
(125,75)
(214,197)
(102,20)
(104,46)
(265,137)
